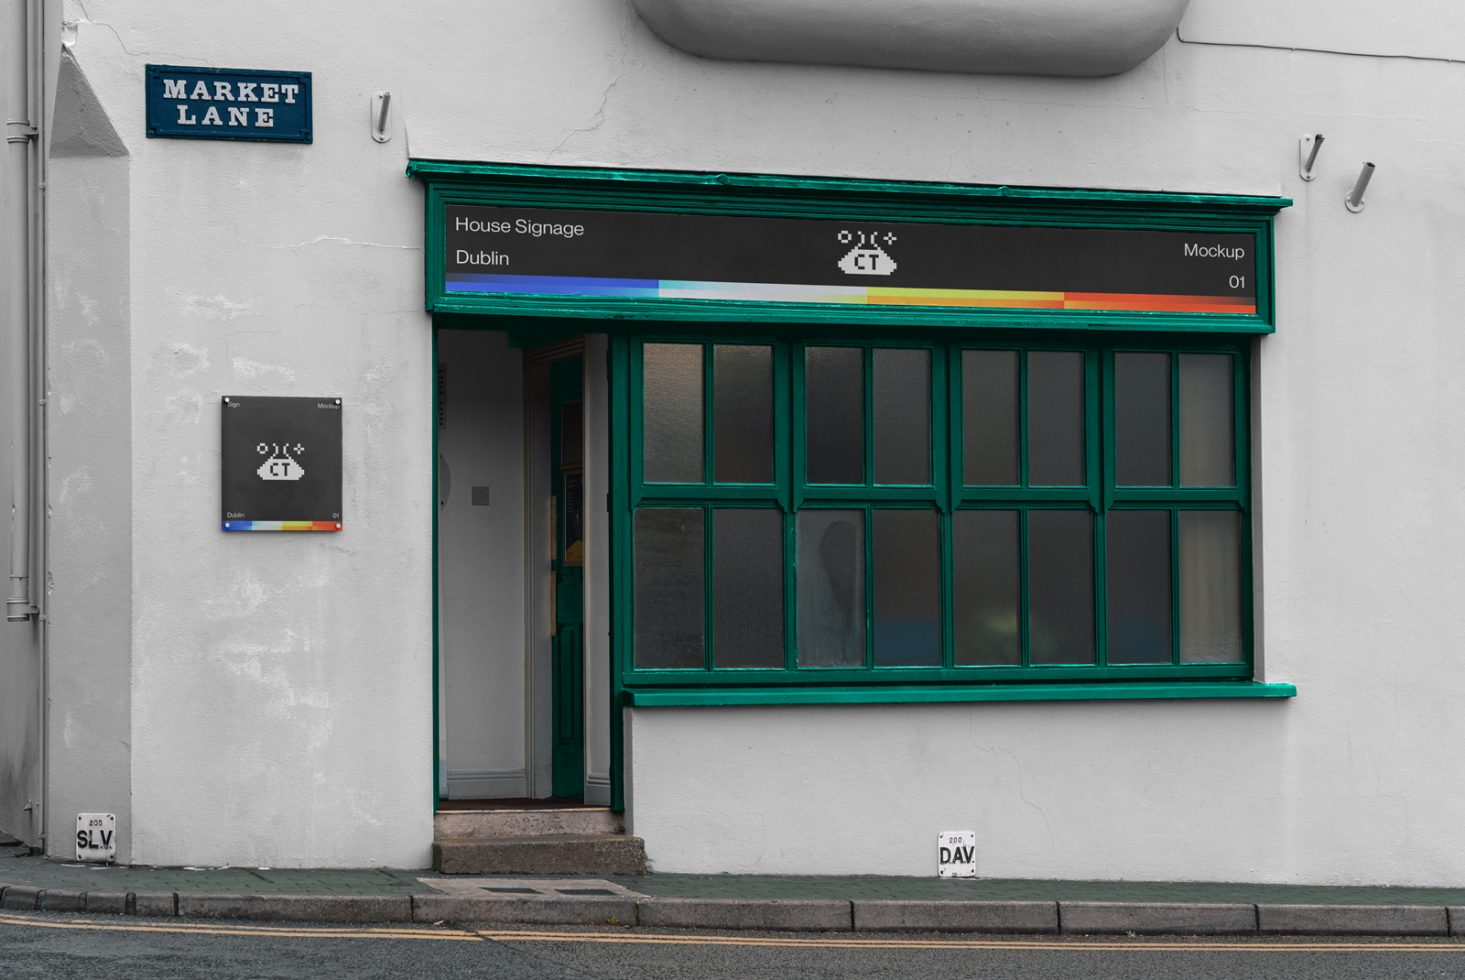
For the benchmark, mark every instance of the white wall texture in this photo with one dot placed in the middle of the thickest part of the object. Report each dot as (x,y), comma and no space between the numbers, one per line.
(281,705)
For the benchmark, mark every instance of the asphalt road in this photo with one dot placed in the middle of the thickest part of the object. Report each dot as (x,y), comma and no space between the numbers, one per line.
(101,948)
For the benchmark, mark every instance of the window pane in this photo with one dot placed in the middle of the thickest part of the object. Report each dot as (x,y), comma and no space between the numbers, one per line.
(1055,419)
(989,417)
(831,592)
(902,416)
(1142,419)
(1060,587)
(668,582)
(747,582)
(834,384)
(988,589)
(672,409)
(907,588)
(1210,586)
(1207,450)
(1138,542)
(742,391)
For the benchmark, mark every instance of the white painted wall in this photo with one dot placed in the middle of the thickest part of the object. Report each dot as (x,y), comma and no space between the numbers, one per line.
(481,565)
(280,683)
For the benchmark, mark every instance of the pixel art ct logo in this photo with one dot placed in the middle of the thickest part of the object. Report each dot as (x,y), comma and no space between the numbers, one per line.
(867,258)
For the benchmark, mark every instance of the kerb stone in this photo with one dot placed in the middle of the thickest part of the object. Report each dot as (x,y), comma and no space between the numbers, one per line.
(537,909)
(743,913)
(1157,918)
(298,908)
(20,898)
(939,916)
(1354,920)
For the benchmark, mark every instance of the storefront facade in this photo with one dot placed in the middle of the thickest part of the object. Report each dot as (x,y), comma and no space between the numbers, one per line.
(801,460)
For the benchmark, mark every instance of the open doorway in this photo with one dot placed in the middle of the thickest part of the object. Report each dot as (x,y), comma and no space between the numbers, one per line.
(523,625)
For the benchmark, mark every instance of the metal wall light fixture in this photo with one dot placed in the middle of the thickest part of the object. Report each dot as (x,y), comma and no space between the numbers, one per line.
(1307,147)
(381,116)
(1354,200)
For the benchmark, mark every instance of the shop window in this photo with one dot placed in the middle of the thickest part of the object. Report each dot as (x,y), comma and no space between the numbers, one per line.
(815,512)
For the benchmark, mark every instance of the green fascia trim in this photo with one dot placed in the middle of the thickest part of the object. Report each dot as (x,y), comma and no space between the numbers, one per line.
(740,311)
(430,169)
(712,697)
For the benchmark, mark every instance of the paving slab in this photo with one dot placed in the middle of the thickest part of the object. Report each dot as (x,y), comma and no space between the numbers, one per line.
(299,908)
(740,913)
(1154,918)
(1354,920)
(528,909)
(876,915)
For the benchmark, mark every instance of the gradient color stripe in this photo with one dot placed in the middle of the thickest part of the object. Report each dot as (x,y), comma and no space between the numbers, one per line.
(769,292)
(282,525)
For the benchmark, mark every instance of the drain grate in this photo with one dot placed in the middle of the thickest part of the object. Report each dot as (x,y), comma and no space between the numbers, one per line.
(511,891)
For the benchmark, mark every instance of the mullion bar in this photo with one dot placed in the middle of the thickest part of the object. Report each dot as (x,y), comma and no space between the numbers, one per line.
(1022,418)
(709,616)
(869,517)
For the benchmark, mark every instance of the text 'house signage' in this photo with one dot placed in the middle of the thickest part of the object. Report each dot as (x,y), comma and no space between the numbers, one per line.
(639,255)
(228,104)
(281,463)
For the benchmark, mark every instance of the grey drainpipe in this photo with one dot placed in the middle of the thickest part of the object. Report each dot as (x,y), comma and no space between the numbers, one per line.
(20,134)
(23,286)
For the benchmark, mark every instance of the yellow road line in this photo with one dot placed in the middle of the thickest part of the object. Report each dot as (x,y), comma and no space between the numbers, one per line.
(294,932)
(842,942)
(677,939)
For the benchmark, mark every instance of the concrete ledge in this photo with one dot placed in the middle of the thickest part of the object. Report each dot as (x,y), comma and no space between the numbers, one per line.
(1354,920)
(20,898)
(945,916)
(741,913)
(153,903)
(106,903)
(1157,918)
(61,900)
(298,908)
(529,909)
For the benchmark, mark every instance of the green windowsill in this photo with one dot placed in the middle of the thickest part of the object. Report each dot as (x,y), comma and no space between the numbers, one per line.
(910,694)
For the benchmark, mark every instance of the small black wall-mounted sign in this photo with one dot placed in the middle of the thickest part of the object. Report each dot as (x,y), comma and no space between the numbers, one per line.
(185,102)
(281,463)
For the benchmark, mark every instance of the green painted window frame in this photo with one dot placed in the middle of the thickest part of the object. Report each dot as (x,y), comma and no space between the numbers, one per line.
(1099,496)
(769,195)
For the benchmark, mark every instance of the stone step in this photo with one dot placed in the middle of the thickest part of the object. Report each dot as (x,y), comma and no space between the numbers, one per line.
(540,854)
(522,822)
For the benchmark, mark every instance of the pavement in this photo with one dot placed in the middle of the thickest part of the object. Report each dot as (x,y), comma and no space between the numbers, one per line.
(30,883)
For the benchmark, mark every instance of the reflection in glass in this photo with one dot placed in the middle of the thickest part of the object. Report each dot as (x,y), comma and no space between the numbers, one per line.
(1060,587)
(831,588)
(907,557)
(988,588)
(669,620)
(902,380)
(989,417)
(1142,419)
(1207,452)
(742,392)
(1210,586)
(747,588)
(1138,542)
(834,383)
(672,410)
(1055,419)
